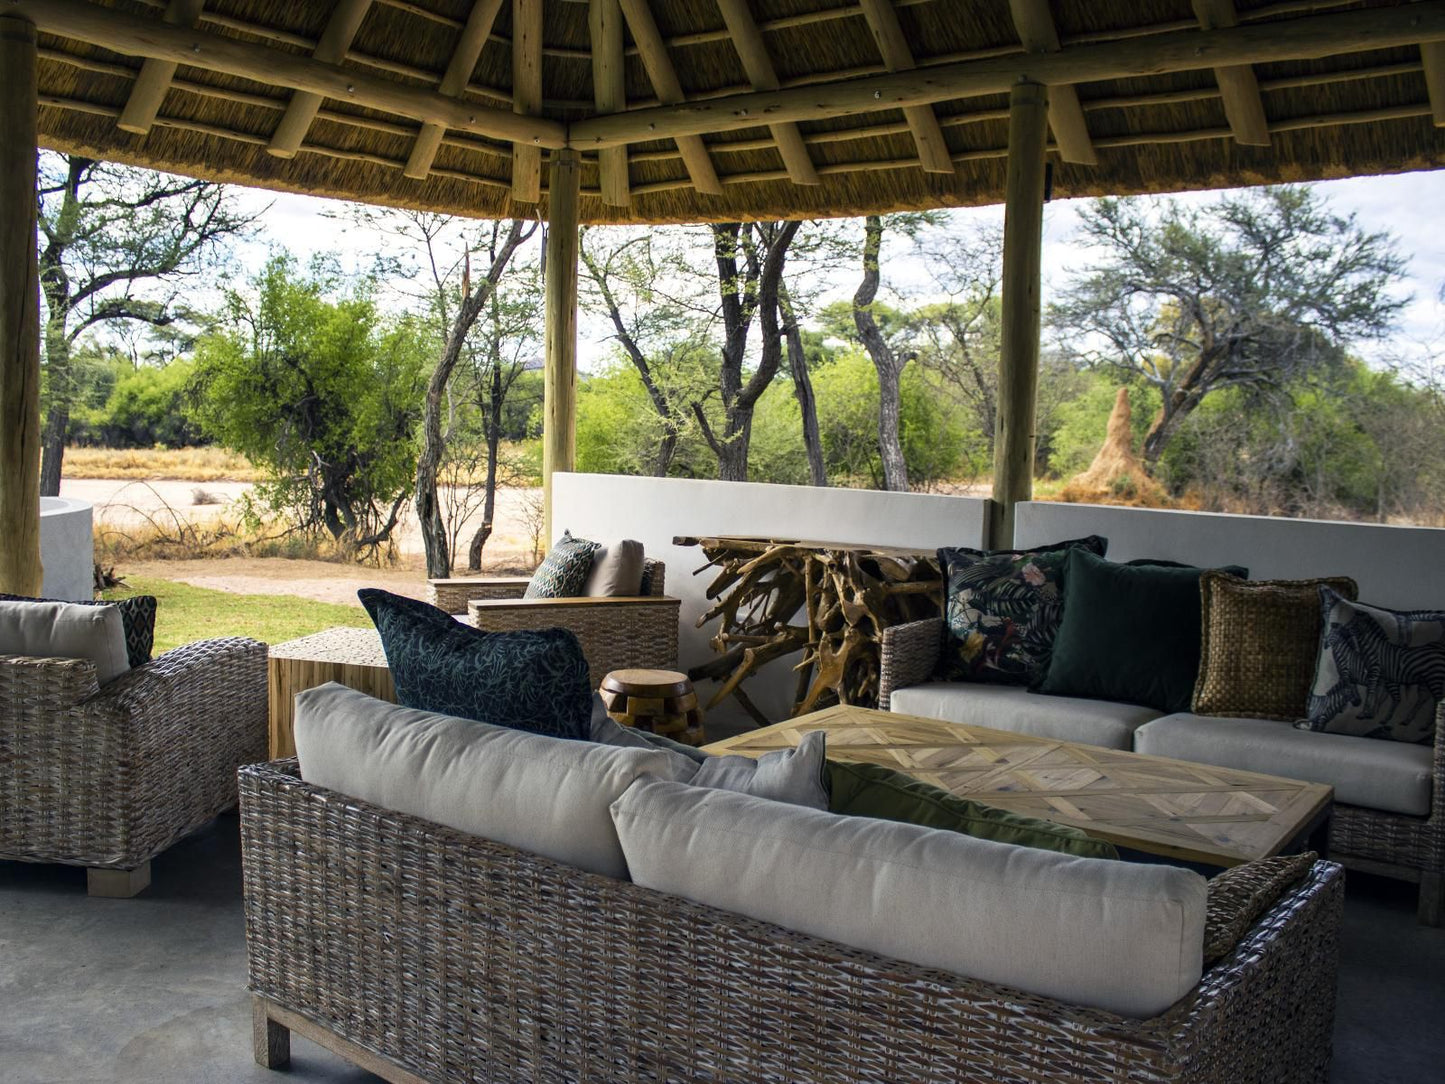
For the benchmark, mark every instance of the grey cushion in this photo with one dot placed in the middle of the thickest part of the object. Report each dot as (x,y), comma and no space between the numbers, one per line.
(541,794)
(1125,937)
(1386,775)
(1067,718)
(616,570)
(66,630)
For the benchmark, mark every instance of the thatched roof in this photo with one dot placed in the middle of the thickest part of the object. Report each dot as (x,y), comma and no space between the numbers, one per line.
(1346,109)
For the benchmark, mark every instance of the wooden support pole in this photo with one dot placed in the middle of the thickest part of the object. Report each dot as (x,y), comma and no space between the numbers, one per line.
(20,571)
(458,74)
(1238,87)
(559,394)
(1018,363)
(1432,60)
(609,93)
(345,21)
(156,75)
(526,95)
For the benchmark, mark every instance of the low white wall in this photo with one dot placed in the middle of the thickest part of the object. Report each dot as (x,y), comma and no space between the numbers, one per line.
(655,510)
(1398,567)
(67,549)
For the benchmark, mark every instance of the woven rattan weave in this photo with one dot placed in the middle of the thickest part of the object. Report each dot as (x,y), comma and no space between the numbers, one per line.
(457,959)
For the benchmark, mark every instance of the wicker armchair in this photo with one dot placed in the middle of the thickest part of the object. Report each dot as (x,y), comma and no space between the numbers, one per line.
(1368,840)
(108,778)
(616,633)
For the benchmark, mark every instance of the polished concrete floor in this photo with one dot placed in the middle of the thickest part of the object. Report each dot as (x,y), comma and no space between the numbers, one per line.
(153,989)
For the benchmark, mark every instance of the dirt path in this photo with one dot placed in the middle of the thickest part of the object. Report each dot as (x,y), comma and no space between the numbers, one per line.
(322,581)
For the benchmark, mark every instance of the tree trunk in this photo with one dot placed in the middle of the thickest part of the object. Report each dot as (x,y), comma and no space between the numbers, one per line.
(494,442)
(885,360)
(803,390)
(59,389)
(732,451)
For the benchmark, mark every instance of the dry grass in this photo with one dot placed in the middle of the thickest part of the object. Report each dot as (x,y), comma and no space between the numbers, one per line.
(183,464)
(167,536)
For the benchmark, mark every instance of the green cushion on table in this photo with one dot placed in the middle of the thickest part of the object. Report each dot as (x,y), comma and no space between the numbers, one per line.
(1130,633)
(871,790)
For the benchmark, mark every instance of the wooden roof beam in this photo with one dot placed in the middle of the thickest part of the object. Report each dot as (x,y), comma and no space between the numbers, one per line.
(133,36)
(609,91)
(1036,29)
(1432,62)
(155,76)
(663,76)
(898,55)
(526,96)
(1238,88)
(473,36)
(345,21)
(753,52)
(1310,37)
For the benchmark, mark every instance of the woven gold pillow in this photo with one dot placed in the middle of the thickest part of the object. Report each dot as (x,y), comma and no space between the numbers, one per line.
(1260,641)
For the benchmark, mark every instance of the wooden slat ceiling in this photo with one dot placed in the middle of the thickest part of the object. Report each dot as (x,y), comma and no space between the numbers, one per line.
(698,110)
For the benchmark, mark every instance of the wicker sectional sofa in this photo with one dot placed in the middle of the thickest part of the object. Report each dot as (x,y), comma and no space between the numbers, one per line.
(423,953)
(1389,812)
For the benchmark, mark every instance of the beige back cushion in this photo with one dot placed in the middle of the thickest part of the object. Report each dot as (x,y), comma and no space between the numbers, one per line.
(66,630)
(616,570)
(546,795)
(1260,640)
(1125,937)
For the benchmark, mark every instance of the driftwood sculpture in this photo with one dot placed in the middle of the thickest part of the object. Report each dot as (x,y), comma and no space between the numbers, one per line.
(774,599)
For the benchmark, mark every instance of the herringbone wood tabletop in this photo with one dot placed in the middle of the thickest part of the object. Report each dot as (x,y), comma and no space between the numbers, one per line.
(1195,812)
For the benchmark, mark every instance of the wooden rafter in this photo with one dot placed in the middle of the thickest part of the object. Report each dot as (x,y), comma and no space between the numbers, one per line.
(345,21)
(753,52)
(898,56)
(1190,50)
(156,75)
(526,95)
(1432,63)
(459,71)
(653,50)
(1238,87)
(1036,29)
(609,89)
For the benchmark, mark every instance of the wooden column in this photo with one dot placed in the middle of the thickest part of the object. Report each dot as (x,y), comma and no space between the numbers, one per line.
(20,571)
(1018,363)
(559,411)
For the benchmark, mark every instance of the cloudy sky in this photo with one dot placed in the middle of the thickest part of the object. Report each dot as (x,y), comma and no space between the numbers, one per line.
(1404,205)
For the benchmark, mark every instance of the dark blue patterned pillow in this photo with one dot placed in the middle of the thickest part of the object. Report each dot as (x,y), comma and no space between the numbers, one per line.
(137,618)
(563,572)
(534,679)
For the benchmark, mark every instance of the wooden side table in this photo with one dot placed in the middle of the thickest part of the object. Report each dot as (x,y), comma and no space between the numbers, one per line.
(662,701)
(352,657)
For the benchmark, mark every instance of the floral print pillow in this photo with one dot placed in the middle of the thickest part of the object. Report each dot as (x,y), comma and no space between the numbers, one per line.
(1003,610)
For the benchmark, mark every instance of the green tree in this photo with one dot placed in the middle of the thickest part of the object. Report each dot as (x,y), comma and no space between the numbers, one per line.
(323,394)
(1248,293)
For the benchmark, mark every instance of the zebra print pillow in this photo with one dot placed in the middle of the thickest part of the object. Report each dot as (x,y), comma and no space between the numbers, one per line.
(1381,673)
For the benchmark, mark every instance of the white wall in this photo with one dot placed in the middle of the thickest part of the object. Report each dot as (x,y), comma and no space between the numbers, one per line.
(1398,567)
(67,549)
(655,510)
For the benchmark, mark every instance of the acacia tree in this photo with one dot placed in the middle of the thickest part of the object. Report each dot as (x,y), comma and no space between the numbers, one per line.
(109,236)
(888,360)
(1249,293)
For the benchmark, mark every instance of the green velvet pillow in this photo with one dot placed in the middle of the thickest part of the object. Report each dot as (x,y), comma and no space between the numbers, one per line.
(1130,633)
(871,790)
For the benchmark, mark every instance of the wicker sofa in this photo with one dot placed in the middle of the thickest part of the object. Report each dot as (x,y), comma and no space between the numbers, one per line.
(616,633)
(1409,846)
(425,954)
(108,777)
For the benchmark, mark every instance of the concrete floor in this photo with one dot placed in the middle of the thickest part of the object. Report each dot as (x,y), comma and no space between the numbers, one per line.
(153,989)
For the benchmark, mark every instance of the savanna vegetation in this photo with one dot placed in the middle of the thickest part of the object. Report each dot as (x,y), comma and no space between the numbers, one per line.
(847,353)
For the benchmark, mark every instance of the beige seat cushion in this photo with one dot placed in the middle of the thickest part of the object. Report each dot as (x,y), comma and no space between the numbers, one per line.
(1387,775)
(616,570)
(546,795)
(1124,937)
(1013,708)
(66,630)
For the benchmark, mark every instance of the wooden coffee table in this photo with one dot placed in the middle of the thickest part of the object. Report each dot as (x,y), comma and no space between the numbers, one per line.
(1173,808)
(352,657)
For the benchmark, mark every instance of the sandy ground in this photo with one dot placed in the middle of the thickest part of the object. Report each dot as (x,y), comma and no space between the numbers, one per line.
(123,504)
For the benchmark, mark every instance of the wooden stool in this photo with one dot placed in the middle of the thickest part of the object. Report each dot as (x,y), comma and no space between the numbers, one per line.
(662,701)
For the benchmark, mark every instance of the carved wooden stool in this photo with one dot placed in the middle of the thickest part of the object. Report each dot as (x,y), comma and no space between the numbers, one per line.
(662,701)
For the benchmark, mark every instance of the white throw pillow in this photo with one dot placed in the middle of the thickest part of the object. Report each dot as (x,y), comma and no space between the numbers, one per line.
(541,794)
(1120,936)
(616,570)
(66,630)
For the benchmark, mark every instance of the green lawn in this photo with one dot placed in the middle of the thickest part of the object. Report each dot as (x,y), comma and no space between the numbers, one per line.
(185,613)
